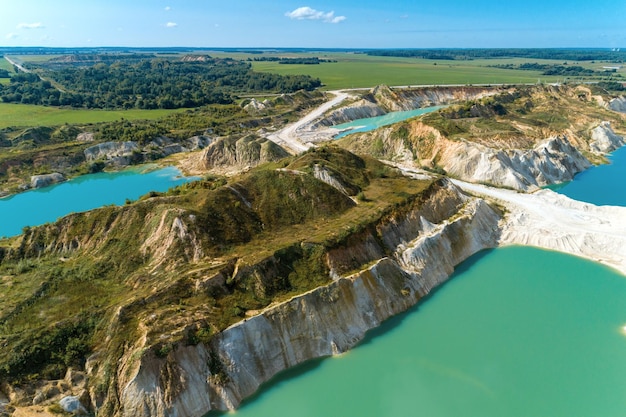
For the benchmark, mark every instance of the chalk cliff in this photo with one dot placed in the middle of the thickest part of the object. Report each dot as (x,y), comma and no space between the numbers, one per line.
(418,97)
(382,100)
(604,139)
(552,161)
(235,154)
(521,139)
(618,104)
(409,254)
(40,181)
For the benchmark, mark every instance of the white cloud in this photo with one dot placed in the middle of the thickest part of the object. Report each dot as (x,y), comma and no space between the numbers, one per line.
(11,35)
(37,25)
(168,8)
(307,13)
(171,25)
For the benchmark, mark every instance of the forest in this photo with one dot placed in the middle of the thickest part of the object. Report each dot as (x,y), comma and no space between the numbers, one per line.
(148,84)
(569,54)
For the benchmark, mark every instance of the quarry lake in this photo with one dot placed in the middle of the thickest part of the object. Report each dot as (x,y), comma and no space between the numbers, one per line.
(596,186)
(84,193)
(371,123)
(516,332)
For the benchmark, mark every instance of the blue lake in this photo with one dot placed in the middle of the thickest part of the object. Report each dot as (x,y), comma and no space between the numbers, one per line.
(371,123)
(600,185)
(86,192)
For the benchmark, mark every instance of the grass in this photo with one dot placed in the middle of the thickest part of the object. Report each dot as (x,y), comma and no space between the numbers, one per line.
(4,64)
(362,71)
(98,277)
(17,115)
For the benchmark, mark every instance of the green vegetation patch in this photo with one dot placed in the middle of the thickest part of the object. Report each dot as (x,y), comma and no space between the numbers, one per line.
(22,115)
(148,84)
(66,286)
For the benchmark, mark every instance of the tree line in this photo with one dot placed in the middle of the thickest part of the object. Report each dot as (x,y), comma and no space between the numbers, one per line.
(293,61)
(532,53)
(550,69)
(149,84)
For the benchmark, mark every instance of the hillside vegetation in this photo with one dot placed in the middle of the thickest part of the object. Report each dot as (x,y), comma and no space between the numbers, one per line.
(41,150)
(147,84)
(519,118)
(181,266)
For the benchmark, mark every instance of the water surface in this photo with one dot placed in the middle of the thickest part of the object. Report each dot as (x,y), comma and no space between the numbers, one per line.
(83,193)
(516,332)
(600,185)
(371,123)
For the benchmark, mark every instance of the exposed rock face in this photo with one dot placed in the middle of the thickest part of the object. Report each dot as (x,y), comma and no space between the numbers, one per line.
(383,99)
(257,107)
(40,181)
(426,243)
(116,151)
(236,154)
(71,404)
(126,153)
(324,174)
(605,139)
(359,110)
(85,137)
(552,161)
(618,104)
(415,98)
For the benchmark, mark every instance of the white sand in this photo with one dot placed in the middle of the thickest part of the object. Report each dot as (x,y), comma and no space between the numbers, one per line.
(549,220)
(294,137)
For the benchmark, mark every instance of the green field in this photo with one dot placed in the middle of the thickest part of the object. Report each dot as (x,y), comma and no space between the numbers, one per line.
(4,64)
(360,70)
(29,115)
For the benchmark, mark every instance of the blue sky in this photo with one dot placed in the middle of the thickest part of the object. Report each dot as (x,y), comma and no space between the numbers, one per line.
(314,23)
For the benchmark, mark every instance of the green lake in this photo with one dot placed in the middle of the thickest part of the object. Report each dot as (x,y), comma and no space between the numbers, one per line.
(371,123)
(516,332)
(36,207)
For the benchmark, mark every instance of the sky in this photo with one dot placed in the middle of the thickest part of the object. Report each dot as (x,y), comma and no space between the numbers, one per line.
(314,23)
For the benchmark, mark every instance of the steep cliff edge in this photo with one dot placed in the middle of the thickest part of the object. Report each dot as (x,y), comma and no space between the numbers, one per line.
(381,100)
(122,295)
(411,253)
(522,139)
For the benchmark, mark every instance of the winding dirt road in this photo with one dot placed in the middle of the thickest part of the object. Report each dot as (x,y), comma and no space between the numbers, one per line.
(291,136)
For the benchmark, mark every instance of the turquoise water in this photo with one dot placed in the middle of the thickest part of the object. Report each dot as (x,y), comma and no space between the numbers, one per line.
(365,125)
(84,193)
(517,332)
(595,185)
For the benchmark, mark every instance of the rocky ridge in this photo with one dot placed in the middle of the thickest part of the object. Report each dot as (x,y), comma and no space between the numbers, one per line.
(424,246)
(517,150)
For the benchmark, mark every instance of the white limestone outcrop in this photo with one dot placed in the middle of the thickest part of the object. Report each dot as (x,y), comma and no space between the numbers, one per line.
(40,181)
(329,320)
(552,161)
(604,139)
(618,104)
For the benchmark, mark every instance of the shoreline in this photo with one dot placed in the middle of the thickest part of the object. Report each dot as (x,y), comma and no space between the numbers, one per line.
(552,221)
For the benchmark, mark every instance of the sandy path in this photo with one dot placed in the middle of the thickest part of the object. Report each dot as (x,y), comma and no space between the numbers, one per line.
(290,138)
(550,220)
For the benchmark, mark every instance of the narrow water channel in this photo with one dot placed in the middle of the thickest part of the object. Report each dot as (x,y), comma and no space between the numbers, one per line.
(371,123)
